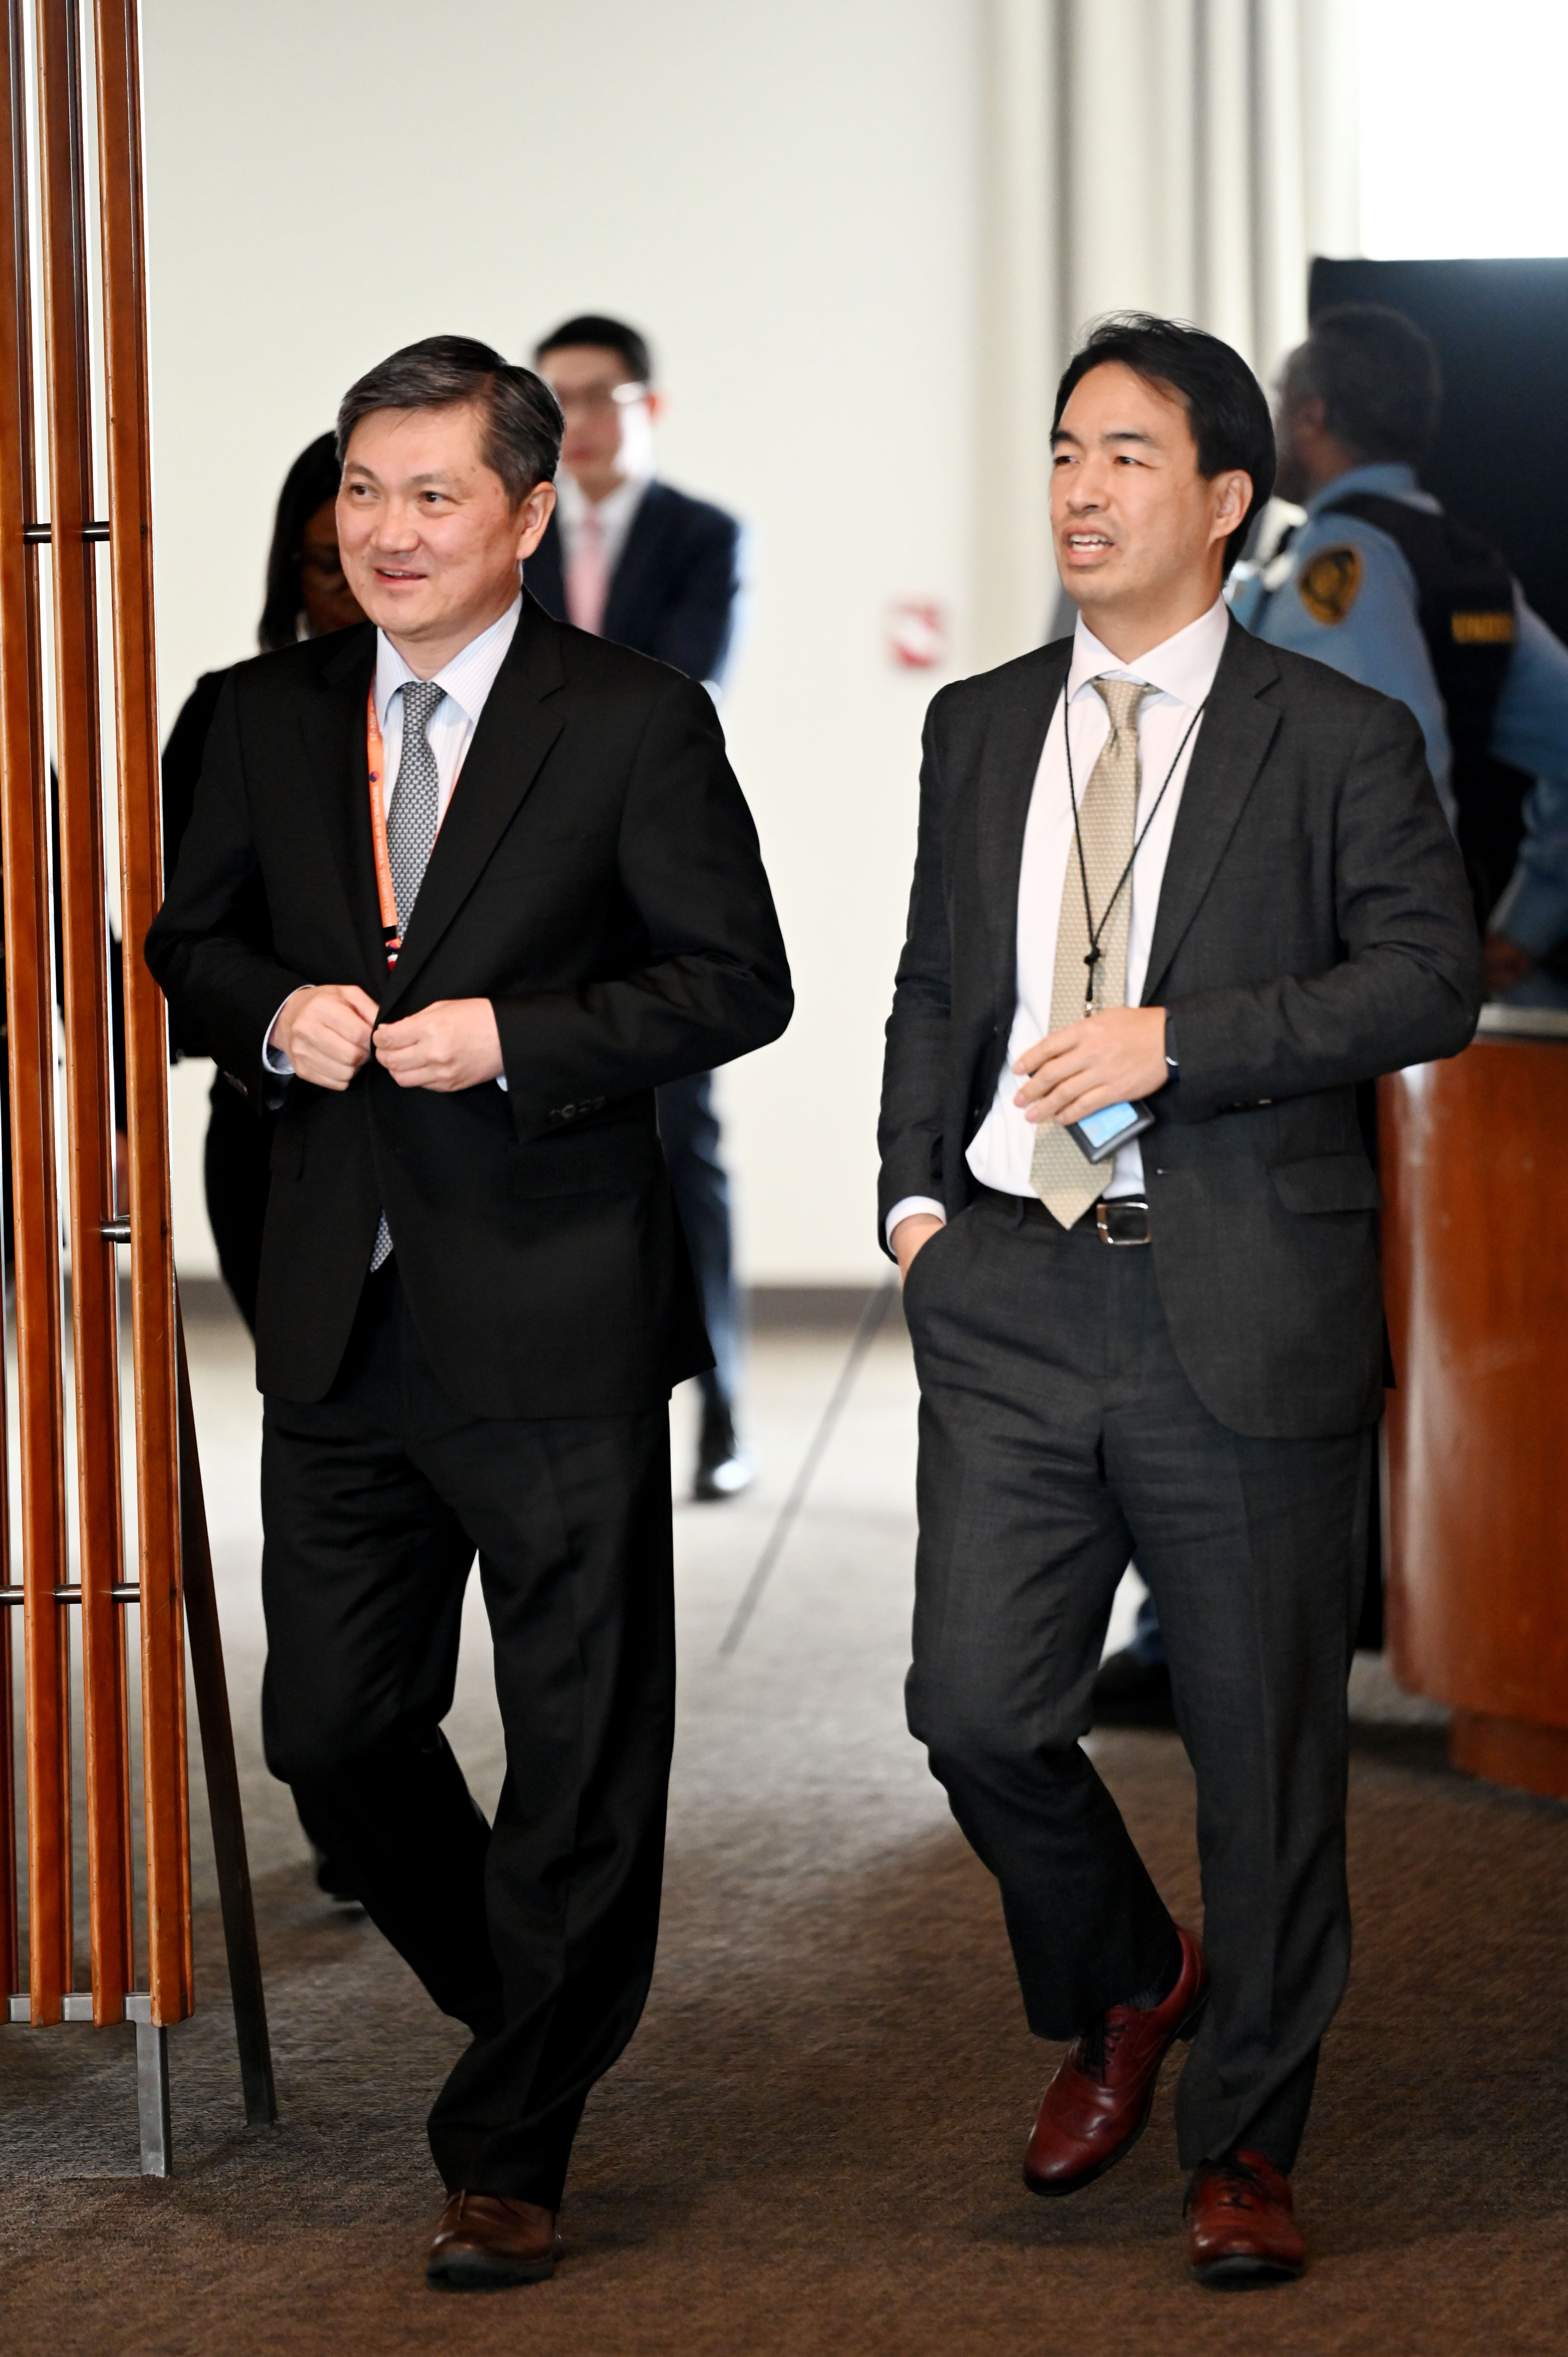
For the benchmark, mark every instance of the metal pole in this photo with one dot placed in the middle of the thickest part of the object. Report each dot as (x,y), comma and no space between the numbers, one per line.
(871,1318)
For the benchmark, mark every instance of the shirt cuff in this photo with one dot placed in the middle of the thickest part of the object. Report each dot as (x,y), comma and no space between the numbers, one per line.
(273,1058)
(910,1206)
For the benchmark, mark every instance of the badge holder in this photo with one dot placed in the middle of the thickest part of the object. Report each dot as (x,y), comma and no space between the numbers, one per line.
(1099,1134)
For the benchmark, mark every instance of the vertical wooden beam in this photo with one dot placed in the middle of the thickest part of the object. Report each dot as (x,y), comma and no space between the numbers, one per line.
(24,856)
(153,1311)
(88,1079)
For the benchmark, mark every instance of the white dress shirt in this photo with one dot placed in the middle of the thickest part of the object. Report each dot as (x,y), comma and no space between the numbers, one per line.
(1182,672)
(615,515)
(467,680)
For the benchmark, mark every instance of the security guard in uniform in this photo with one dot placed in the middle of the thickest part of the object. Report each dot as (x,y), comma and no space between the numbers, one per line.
(1381,585)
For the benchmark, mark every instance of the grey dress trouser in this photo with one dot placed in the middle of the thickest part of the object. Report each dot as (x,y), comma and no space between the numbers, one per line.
(1059,1437)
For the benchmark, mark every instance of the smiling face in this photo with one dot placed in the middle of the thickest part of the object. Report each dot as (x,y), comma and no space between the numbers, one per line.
(1140,534)
(430,542)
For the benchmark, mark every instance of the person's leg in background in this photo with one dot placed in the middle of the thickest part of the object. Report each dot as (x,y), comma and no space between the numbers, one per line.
(689,1131)
(234,1168)
(1133,1687)
(237,1177)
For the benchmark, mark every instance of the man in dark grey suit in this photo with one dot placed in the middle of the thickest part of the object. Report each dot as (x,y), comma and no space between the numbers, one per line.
(1160,864)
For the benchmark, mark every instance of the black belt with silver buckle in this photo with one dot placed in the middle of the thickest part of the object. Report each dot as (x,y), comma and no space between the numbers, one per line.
(1122,1220)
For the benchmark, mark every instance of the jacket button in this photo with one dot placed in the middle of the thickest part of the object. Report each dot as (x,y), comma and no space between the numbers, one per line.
(569,1113)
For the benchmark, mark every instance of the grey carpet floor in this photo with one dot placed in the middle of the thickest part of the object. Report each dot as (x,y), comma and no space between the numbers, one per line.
(813,2143)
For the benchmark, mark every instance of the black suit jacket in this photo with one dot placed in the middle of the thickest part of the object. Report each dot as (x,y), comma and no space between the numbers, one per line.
(597,878)
(674,591)
(1314,929)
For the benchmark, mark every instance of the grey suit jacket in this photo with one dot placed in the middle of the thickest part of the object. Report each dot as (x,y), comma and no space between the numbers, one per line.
(1313,930)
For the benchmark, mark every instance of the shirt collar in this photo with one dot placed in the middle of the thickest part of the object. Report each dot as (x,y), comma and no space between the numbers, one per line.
(1183,668)
(613,513)
(1391,478)
(467,679)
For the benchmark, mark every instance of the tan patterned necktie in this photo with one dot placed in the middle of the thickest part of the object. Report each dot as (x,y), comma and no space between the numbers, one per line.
(1061,1175)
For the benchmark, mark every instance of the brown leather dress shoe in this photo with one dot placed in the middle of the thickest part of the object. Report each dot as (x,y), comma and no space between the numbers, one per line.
(486,2240)
(1239,2222)
(1097,2106)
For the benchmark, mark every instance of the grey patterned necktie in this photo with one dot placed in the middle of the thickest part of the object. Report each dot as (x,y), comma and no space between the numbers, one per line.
(1063,1178)
(411,834)
(416,797)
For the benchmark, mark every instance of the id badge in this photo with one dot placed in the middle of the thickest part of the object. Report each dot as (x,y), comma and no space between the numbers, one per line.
(1099,1134)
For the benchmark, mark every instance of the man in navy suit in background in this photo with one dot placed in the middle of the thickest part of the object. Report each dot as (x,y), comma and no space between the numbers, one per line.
(630,559)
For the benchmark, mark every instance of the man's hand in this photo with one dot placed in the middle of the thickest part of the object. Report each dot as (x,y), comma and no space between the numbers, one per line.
(1115,1055)
(1506,964)
(453,1045)
(325,1032)
(908,1237)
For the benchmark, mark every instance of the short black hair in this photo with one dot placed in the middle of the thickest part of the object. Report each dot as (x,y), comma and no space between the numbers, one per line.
(522,421)
(609,335)
(1226,407)
(1378,377)
(309,483)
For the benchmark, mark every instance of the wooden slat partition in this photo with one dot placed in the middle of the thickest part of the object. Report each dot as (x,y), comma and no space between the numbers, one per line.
(88,1076)
(46,283)
(98,535)
(24,852)
(147,1041)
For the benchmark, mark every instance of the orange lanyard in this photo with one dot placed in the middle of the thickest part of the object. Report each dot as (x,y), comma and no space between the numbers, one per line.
(375,761)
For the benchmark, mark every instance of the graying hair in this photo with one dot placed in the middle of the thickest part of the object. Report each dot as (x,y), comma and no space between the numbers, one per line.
(522,424)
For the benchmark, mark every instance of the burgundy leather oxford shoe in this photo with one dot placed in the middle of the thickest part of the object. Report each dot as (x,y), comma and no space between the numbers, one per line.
(487,2240)
(1097,2106)
(1239,2223)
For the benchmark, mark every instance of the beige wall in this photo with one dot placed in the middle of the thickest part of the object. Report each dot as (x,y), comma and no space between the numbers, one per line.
(783,192)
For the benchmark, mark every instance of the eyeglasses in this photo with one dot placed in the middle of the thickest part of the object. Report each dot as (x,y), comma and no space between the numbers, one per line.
(597,400)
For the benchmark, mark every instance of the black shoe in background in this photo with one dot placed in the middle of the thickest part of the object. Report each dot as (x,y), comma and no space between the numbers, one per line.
(723,1471)
(1129,1691)
(334,1880)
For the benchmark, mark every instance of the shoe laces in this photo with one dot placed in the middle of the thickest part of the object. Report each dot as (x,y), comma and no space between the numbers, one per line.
(1239,2183)
(1098,2044)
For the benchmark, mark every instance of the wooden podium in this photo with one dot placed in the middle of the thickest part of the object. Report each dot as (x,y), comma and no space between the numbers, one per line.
(1474,1154)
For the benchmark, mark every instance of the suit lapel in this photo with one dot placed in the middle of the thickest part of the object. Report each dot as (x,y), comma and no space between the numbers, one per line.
(1011,762)
(640,562)
(516,730)
(334,734)
(1236,735)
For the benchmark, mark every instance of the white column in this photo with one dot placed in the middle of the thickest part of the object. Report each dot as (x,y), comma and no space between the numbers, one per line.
(1019,334)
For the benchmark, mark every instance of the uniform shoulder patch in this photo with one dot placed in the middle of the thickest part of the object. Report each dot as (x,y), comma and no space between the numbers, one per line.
(1330,582)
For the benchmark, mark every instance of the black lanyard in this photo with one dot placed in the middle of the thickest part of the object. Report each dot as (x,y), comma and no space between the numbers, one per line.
(1095,953)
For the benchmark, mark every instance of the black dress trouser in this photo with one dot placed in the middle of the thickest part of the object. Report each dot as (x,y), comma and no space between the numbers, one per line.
(540,1932)
(235,1169)
(1060,1438)
(689,1133)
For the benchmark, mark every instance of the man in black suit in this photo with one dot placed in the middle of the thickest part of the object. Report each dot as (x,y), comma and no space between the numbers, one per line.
(474,1296)
(1159,864)
(630,558)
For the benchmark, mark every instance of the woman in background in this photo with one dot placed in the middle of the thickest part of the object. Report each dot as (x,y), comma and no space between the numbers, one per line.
(306,596)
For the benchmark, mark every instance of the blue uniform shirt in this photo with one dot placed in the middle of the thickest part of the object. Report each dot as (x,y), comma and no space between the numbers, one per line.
(1344,593)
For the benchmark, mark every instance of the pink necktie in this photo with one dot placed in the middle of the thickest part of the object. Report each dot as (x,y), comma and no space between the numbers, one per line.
(588,576)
